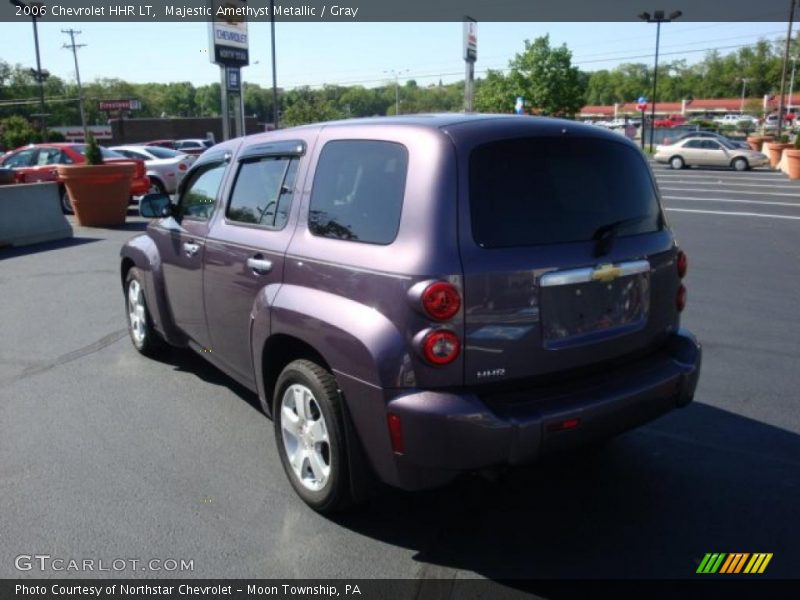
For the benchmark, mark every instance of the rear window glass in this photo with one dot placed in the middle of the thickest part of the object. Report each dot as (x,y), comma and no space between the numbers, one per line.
(358,191)
(160,152)
(527,192)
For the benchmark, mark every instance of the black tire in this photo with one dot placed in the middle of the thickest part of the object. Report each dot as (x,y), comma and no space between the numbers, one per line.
(66,202)
(740,164)
(145,339)
(335,494)
(677,163)
(156,187)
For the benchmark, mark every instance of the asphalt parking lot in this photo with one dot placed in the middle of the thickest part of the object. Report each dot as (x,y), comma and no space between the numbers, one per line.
(106,454)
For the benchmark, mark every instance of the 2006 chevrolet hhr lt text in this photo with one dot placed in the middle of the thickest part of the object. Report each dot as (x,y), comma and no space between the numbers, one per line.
(415,297)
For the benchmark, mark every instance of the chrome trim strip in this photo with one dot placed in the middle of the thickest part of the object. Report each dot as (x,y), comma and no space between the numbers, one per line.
(584,275)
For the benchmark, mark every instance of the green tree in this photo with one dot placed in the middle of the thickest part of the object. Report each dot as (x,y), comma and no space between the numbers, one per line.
(493,93)
(545,77)
(17,131)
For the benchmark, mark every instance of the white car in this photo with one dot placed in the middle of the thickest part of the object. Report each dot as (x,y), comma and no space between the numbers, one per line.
(165,167)
(708,152)
(193,146)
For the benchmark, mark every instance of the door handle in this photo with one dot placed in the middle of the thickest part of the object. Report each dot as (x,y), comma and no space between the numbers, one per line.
(261,266)
(190,248)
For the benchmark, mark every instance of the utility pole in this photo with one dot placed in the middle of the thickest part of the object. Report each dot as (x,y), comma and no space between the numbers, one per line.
(783,71)
(74,47)
(744,87)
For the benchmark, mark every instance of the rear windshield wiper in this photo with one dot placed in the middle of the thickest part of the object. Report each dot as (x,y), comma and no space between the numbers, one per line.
(605,234)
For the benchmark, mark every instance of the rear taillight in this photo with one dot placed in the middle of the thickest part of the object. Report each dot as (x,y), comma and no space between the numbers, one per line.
(182,167)
(682,263)
(441,301)
(680,298)
(441,347)
(395,433)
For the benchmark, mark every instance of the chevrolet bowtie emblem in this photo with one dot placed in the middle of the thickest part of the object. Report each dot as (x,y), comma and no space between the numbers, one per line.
(606,273)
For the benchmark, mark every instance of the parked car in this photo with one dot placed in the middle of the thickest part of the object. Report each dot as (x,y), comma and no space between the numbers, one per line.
(195,146)
(699,151)
(771,121)
(414,298)
(165,167)
(735,119)
(706,134)
(163,143)
(39,162)
(671,121)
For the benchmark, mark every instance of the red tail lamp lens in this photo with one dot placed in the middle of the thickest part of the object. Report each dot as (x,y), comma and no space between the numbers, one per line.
(441,301)
(182,167)
(395,433)
(680,299)
(564,425)
(683,264)
(441,347)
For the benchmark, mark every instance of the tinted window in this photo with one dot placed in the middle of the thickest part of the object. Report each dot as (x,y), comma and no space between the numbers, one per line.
(358,191)
(48,156)
(200,193)
(20,159)
(263,191)
(554,190)
(693,144)
(710,145)
(105,152)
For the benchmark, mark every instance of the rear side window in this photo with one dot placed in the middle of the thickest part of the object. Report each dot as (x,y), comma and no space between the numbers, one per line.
(358,191)
(534,191)
(263,191)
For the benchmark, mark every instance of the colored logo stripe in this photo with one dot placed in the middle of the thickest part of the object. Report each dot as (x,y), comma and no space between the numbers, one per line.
(711,563)
(721,562)
(758,563)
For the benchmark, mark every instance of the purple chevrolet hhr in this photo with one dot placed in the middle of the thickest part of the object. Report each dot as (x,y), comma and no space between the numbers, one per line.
(420,296)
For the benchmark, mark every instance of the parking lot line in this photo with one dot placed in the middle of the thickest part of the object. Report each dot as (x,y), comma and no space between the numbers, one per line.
(735,214)
(737,201)
(722,183)
(684,189)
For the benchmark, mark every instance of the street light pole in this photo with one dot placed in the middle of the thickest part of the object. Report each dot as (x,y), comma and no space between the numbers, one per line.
(657,18)
(39,75)
(791,85)
(783,70)
(274,72)
(744,84)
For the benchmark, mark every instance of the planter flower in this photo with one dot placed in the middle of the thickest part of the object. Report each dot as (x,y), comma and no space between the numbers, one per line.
(99,192)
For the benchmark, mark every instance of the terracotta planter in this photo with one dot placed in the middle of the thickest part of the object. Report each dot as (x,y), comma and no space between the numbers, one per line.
(757,141)
(792,158)
(99,193)
(773,150)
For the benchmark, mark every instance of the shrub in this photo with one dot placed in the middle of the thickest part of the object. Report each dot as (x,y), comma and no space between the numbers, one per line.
(93,154)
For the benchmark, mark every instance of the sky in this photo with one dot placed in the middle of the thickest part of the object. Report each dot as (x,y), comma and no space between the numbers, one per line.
(366,54)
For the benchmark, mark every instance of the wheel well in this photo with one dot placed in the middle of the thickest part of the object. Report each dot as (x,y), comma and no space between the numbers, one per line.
(127,265)
(747,162)
(279,351)
(674,156)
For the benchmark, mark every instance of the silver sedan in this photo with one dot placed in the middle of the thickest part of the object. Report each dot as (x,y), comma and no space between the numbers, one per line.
(705,152)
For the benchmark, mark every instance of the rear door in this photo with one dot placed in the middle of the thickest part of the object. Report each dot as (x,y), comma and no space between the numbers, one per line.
(246,246)
(565,255)
(692,152)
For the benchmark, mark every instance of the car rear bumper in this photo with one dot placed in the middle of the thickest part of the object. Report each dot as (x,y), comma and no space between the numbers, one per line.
(444,433)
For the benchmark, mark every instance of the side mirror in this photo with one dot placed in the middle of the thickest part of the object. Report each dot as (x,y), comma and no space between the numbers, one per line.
(155,206)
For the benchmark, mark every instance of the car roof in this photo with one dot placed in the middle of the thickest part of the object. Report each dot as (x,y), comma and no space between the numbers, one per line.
(529,125)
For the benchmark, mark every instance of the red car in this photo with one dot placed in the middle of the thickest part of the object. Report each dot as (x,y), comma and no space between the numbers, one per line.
(671,121)
(39,162)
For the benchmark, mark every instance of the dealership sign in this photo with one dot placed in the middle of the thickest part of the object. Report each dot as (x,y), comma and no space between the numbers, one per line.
(228,39)
(470,40)
(119,105)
